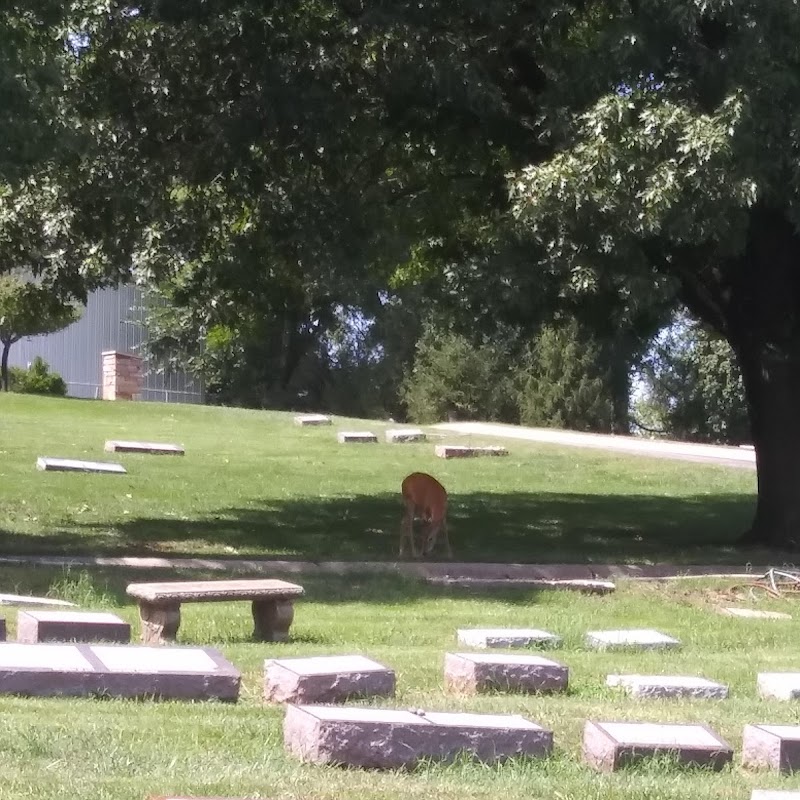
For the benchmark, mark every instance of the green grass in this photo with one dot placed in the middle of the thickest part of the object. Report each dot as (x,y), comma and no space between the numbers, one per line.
(124,750)
(253,484)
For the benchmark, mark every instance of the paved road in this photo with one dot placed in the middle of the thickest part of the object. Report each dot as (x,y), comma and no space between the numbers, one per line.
(656,448)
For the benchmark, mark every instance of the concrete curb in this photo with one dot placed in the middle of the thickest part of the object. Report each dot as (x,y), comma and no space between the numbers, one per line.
(456,571)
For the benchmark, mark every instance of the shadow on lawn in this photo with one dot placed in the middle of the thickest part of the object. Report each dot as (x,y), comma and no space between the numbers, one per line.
(518,527)
(104,587)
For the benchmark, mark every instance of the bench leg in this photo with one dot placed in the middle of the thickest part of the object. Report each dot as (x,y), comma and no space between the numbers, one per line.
(272,619)
(160,623)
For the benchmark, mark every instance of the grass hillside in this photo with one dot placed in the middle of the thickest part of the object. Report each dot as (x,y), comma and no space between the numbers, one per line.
(254,484)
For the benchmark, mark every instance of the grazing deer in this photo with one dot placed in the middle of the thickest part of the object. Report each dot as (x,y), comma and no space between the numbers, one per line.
(426,499)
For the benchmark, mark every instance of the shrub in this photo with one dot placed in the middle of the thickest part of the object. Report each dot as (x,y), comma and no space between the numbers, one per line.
(451,378)
(37,379)
(564,383)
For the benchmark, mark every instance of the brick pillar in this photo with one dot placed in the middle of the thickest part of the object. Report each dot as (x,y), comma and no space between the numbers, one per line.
(122,375)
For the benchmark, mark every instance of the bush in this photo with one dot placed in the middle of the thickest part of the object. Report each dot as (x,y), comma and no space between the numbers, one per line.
(37,379)
(564,383)
(451,378)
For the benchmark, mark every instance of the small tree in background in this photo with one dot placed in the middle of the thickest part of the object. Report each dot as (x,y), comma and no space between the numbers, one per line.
(692,387)
(451,377)
(27,309)
(564,384)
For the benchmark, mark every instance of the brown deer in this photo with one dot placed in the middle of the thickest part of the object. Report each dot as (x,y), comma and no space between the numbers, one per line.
(426,499)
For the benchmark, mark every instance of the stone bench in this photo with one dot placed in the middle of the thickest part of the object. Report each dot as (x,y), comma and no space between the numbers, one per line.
(160,605)
(389,739)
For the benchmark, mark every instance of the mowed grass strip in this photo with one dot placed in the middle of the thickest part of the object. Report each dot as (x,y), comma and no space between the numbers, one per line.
(254,484)
(124,750)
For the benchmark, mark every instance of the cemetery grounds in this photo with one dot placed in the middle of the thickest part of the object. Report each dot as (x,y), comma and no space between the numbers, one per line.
(253,485)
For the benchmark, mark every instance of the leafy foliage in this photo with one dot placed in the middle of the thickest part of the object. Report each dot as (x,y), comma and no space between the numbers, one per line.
(692,387)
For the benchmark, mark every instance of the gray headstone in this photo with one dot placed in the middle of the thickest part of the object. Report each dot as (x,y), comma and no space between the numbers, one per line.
(752,613)
(405,435)
(779,685)
(487,672)
(311,419)
(608,746)
(638,638)
(774,747)
(463,451)
(348,736)
(326,679)
(48,464)
(80,670)
(507,637)
(67,626)
(356,437)
(152,448)
(658,686)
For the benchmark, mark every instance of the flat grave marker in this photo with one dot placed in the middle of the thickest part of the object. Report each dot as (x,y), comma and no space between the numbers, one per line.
(66,626)
(81,670)
(356,437)
(347,736)
(659,686)
(463,451)
(400,435)
(326,679)
(775,794)
(304,420)
(485,672)
(609,746)
(779,685)
(507,637)
(151,448)
(48,464)
(634,638)
(753,613)
(772,746)
(27,600)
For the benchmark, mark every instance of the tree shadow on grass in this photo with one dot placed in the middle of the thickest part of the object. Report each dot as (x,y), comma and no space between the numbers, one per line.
(487,527)
(102,586)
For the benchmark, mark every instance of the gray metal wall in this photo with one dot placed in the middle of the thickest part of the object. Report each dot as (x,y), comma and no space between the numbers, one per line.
(112,320)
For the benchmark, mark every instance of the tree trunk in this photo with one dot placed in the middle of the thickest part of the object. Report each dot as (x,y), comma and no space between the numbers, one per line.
(4,364)
(772,386)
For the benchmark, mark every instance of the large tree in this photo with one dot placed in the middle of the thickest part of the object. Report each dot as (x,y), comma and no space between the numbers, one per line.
(687,168)
(652,145)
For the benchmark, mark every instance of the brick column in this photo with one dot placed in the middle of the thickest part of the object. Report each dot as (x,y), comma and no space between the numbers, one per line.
(122,375)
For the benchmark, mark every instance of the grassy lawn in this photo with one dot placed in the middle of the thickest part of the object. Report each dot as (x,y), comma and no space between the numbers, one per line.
(253,484)
(124,750)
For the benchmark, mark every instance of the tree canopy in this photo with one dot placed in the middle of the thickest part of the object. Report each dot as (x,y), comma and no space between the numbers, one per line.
(270,164)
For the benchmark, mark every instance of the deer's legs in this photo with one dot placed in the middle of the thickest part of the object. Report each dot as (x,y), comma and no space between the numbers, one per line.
(407,532)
